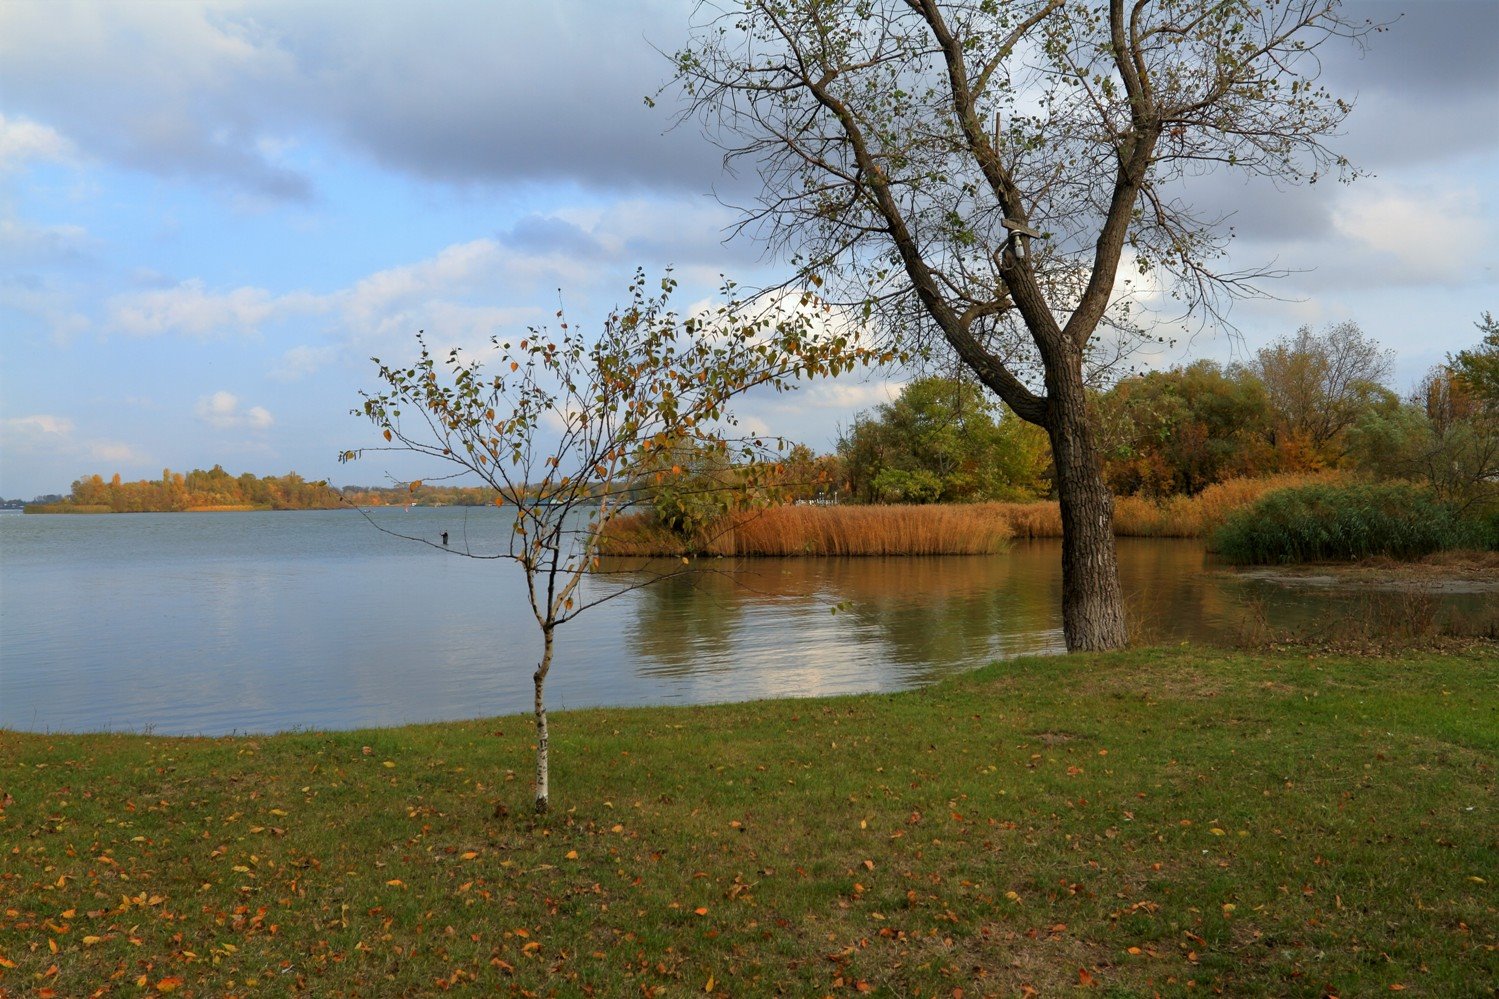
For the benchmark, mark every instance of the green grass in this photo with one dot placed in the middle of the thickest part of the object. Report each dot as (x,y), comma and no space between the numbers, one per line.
(1162,821)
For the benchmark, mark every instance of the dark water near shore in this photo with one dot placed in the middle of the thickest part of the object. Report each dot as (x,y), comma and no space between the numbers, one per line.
(214,623)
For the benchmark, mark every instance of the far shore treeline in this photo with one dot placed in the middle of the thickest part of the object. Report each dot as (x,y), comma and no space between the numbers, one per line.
(215,489)
(1306,439)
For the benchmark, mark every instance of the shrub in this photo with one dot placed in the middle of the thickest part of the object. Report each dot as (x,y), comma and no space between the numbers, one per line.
(1317,523)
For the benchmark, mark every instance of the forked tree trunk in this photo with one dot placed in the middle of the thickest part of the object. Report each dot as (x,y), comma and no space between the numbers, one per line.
(542,762)
(1092,602)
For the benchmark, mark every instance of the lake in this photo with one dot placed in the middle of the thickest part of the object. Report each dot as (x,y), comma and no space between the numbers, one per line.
(252,622)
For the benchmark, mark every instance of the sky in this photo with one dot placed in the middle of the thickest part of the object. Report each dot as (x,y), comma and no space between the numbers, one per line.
(212,215)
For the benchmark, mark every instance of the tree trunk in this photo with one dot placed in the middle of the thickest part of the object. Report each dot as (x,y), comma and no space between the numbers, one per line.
(1092,603)
(542,761)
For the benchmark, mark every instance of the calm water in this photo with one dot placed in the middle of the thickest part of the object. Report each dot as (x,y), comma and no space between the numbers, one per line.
(214,623)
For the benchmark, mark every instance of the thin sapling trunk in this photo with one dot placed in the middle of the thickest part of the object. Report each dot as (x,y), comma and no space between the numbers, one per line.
(542,763)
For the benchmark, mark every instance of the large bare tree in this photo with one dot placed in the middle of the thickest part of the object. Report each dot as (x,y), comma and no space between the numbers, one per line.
(978,174)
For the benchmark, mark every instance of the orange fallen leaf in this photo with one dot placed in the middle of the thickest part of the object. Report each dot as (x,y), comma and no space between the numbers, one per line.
(701,910)
(1083,978)
(169,984)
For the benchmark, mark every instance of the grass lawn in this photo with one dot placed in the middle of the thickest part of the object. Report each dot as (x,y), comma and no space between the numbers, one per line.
(1176,821)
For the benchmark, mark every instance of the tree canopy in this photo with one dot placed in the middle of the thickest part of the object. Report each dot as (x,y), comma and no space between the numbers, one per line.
(986,178)
(940,442)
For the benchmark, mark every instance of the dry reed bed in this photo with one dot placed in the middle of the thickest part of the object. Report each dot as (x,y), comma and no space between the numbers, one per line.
(969,529)
(974,529)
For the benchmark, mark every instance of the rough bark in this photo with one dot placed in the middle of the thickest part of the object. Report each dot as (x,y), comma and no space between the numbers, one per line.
(543,795)
(1092,603)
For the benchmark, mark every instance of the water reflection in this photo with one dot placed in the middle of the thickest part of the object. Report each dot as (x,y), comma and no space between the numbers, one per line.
(220,622)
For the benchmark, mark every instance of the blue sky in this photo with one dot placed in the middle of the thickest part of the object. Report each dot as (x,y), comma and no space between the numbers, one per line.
(212,215)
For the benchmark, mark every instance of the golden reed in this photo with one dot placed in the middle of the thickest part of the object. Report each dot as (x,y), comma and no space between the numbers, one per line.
(969,529)
(1173,517)
(951,529)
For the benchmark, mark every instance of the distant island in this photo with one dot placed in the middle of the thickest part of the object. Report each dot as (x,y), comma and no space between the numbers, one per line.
(217,490)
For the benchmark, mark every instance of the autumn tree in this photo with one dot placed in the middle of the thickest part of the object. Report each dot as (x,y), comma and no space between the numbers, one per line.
(939,442)
(976,175)
(1447,433)
(568,430)
(1478,366)
(1320,384)
(1183,429)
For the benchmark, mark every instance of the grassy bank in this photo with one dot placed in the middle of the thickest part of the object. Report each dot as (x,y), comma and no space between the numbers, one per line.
(938,529)
(1159,821)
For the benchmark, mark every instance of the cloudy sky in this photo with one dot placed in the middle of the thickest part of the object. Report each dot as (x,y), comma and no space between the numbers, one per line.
(213,214)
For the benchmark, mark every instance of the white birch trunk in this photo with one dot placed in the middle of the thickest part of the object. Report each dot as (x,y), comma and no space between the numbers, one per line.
(542,762)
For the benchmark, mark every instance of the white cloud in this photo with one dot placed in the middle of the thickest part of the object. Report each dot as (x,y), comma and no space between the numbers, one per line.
(846,395)
(455,268)
(222,411)
(26,243)
(191,309)
(114,451)
(1438,236)
(40,430)
(443,294)
(301,361)
(22,139)
(44,433)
